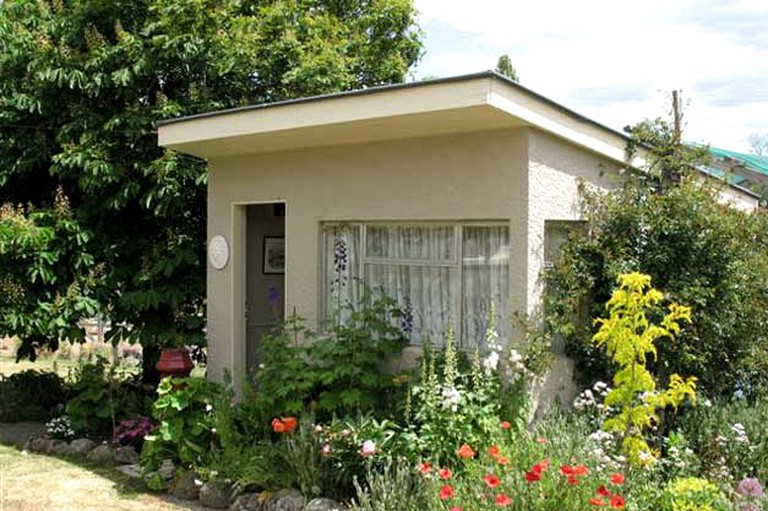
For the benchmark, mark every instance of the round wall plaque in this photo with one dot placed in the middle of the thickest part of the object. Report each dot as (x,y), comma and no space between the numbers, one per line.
(218,252)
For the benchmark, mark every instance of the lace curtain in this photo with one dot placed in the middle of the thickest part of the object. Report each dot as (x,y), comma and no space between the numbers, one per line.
(440,275)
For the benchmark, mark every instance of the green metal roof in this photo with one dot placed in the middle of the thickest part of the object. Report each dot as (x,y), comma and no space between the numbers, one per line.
(751,161)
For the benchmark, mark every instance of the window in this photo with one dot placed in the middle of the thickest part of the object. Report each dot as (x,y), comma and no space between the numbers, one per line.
(440,274)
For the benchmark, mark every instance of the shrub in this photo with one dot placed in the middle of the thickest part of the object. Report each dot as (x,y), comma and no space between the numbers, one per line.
(629,338)
(693,494)
(186,429)
(728,436)
(102,396)
(31,395)
(704,254)
(341,371)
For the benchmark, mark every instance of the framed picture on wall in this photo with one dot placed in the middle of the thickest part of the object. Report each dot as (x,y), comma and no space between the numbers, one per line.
(274,255)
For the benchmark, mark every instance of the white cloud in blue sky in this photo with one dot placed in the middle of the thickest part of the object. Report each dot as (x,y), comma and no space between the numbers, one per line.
(616,61)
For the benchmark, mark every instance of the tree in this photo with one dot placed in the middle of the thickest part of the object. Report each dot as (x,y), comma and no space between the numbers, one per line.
(504,67)
(81,84)
(758,143)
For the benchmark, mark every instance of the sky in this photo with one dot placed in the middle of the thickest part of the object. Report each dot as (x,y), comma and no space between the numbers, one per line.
(616,61)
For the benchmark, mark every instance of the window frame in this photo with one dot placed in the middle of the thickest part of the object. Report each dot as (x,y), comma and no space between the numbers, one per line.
(457,263)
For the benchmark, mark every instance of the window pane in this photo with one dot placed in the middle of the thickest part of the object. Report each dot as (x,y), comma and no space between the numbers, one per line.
(486,283)
(342,266)
(428,294)
(411,242)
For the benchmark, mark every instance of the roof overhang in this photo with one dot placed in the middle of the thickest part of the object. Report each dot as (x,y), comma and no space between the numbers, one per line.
(462,104)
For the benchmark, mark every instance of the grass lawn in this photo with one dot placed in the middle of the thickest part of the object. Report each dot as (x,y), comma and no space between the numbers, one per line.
(9,366)
(29,482)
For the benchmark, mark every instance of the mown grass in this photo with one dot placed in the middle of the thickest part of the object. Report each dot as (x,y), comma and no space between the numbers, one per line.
(30,482)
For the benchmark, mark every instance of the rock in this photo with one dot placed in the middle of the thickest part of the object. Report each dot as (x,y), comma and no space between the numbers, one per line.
(132,471)
(166,470)
(41,445)
(249,502)
(216,494)
(285,500)
(185,486)
(126,455)
(81,446)
(324,505)
(59,447)
(103,455)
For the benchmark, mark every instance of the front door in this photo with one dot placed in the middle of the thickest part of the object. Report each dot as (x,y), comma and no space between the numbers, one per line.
(265,274)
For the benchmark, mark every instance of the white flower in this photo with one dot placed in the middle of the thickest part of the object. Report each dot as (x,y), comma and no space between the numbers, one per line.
(451,398)
(491,362)
(208,408)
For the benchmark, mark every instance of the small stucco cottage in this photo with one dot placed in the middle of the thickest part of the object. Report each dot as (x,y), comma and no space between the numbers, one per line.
(450,195)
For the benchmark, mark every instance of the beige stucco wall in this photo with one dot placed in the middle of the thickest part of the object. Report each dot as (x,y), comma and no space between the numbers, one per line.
(477,176)
(556,169)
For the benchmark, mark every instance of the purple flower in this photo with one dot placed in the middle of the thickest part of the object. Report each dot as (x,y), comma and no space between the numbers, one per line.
(272,295)
(750,487)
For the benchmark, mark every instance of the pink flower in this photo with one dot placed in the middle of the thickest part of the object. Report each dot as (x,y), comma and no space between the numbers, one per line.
(326,451)
(444,473)
(503,500)
(446,492)
(425,468)
(369,448)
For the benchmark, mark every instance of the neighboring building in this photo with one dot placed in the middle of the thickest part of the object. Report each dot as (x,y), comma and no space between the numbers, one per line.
(449,194)
(743,170)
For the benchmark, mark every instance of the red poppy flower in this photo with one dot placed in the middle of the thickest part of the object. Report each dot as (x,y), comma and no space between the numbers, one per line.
(580,470)
(455,508)
(572,480)
(425,468)
(278,426)
(505,425)
(617,502)
(493,451)
(444,473)
(617,478)
(503,500)
(446,492)
(566,470)
(465,451)
(290,423)
(603,491)
(491,481)
(533,475)
(596,501)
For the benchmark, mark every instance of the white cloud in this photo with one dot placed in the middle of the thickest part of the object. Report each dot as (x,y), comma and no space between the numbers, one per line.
(609,59)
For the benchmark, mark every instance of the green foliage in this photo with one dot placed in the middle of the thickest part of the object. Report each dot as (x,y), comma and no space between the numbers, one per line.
(185,435)
(325,460)
(81,84)
(394,487)
(728,436)
(707,255)
(504,67)
(452,407)
(101,396)
(668,160)
(549,468)
(693,494)
(30,395)
(340,371)
(47,275)
(629,338)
